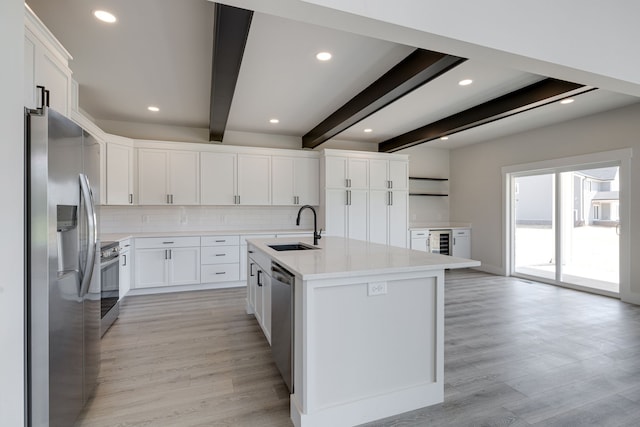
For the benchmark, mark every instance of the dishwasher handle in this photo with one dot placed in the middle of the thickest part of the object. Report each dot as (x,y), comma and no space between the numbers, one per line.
(280,274)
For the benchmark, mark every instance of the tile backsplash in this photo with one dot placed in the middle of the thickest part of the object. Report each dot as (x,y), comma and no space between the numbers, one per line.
(141,219)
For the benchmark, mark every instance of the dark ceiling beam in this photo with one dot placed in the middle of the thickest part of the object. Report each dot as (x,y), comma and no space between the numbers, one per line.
(533,96)
(230,33)
(418,68)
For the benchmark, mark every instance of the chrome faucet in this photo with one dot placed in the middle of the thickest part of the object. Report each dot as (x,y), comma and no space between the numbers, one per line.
(316,234)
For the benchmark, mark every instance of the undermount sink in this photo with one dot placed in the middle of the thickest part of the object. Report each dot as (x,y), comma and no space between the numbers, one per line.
(292,247)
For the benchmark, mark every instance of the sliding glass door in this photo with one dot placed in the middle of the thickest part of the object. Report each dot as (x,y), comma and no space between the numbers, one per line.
(565,226)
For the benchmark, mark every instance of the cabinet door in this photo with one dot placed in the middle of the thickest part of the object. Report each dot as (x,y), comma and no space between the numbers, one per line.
(461,244)
(358,215)
(151,268)
(218,173)
(125,273)
(252,284)
(306,181)
(283,180)
(335,172)
(56,78)
(184,184)
(378,216)
(336,212)
(254,180)
(398,218)
(399,174)
(184,266)
(119,174)
(358,173)
(259,294)
(378,174)
(152,177)
(266,307)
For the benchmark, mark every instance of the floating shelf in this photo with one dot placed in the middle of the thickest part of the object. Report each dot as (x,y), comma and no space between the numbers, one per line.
(428,194)
(428,179)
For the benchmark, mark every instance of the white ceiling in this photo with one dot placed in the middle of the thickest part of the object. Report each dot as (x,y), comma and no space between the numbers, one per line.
(159,53)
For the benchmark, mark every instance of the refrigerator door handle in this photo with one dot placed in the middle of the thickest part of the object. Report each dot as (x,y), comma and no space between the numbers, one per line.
(92,235)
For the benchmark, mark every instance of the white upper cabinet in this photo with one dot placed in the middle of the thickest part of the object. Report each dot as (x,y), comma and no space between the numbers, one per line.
(218,178)
(46,63)
(388,174)
(119,164)
(168,177)
(295,181)
(346,172)
(184,179)
(254,179)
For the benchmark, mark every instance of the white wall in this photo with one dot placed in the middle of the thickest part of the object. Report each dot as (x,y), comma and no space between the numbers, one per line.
(476,180)
(425,161)
(12,214)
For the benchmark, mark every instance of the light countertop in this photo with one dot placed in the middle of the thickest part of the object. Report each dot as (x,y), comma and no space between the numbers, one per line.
(438,226)
(340,257)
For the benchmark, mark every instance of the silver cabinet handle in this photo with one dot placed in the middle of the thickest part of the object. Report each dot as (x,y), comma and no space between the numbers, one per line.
(167,243)
(349,182)
(221,254)
(390,198)
(130,199)
(170,254)
(168,200)
(251,269)
(221,272)
(124,260)
(166,255)
(238,199)
(348,197)
(172,199)
(346,182)
(259,277)
(221,241)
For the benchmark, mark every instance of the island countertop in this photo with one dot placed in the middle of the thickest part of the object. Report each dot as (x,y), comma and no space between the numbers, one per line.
(341,257)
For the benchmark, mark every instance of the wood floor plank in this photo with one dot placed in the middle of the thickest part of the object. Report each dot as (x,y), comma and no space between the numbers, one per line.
(517,353)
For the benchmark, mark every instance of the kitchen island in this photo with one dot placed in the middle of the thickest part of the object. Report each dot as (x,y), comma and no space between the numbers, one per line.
(368,326)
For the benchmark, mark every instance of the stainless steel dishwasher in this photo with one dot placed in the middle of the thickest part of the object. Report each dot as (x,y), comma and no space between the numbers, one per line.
(282,285)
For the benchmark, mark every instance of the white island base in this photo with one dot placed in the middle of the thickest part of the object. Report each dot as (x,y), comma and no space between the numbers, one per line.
(369,330)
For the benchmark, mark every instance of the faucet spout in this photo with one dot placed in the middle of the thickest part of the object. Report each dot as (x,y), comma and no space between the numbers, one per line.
(316,234)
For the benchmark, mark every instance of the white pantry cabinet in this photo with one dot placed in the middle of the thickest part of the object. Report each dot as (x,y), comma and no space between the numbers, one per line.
(168,177)
(365,196)
(295,181)
(167,261)
(46,63)
(119,165)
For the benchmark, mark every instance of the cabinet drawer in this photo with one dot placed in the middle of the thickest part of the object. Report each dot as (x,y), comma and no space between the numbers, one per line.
(463,232)
(166,242)
(220,273)
(220,254)
(417,234)
(220,240)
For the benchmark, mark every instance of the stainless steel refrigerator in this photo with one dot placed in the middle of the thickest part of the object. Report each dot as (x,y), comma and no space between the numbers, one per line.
(63,267)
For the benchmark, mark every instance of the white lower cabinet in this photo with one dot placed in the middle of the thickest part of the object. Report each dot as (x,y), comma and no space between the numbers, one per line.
(259,290)
(125,268)
(220,259)
(167,261)
(461,243)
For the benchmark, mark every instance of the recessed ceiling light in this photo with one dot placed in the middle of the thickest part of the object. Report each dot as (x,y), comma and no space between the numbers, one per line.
(274,121)
(465,82)
(323,56)
(368,130)
(566,101)
(105,16)
(152,108)
(444,138)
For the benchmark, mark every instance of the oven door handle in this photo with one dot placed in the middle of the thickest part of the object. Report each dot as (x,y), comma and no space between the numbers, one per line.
(104,265)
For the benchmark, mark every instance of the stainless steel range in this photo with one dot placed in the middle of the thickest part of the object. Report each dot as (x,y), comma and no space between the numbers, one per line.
(110,284)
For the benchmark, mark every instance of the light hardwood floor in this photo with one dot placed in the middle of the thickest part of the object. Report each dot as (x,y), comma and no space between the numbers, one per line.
(517,353)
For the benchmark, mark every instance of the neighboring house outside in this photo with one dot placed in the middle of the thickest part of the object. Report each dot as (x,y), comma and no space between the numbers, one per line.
(595,198)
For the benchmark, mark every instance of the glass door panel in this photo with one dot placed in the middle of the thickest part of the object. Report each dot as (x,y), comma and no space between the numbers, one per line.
(590,226)
(534,225)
